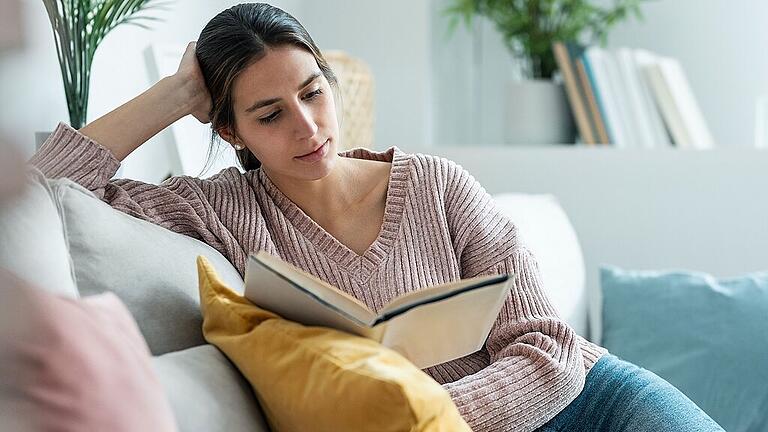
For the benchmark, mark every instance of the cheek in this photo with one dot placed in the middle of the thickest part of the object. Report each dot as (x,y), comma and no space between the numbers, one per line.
(328,111)
(272,145)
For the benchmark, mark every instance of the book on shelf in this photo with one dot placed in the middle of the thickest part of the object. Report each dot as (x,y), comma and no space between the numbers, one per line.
(596,115)
(576,95)
(429,326)
(677,103)
(654,121)
(634,98)
(639,115)
(596,61)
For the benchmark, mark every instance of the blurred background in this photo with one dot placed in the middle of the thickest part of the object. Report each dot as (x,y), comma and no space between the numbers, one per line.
(432,87)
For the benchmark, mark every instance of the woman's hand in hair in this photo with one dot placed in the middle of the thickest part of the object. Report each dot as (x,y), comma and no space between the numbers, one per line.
(130,125)
(192,83)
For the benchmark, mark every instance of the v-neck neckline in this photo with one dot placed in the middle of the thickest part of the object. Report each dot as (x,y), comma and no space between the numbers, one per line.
(325,242)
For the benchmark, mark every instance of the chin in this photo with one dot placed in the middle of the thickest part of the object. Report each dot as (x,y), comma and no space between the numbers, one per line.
(319,169)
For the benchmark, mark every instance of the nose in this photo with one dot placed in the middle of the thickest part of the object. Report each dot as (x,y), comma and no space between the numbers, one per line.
(305,126)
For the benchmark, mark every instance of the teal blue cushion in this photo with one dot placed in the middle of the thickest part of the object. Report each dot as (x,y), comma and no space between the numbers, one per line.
(706,336)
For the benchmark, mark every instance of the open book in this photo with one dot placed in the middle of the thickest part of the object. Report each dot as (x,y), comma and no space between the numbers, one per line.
(428,327)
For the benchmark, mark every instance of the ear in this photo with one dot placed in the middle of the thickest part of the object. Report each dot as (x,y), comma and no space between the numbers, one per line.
(227,135)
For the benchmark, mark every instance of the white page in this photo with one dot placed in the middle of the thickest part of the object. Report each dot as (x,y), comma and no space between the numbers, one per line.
(275,293)
(435,333)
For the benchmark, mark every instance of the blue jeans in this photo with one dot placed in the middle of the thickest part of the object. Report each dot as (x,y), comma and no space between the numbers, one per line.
(620,396)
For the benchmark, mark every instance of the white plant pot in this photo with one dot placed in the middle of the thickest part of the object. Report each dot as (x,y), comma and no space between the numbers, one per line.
(538,114)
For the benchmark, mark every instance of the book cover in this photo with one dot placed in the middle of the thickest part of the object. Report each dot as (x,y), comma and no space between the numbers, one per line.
(429,326)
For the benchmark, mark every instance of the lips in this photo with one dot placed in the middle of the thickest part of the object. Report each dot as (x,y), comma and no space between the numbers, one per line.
(316,149)
(317,155)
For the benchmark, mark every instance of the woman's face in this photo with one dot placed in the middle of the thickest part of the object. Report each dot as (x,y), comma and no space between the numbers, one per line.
(285,114)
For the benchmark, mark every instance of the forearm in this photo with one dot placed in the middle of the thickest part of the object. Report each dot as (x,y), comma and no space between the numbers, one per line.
(127,127)
(537,367)
(536,379)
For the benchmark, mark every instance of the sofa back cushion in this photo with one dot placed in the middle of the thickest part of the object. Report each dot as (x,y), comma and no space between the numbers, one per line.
(33,239)
(207,393)
(151,269)
(547,231)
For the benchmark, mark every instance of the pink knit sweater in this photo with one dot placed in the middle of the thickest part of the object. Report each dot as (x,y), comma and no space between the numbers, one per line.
(439,225)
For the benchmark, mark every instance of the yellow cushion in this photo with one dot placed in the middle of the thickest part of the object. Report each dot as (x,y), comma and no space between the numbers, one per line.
(320,379)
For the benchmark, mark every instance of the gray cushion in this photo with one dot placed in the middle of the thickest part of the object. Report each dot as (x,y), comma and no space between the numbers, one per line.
(207,392)
(150,268)
(32,238)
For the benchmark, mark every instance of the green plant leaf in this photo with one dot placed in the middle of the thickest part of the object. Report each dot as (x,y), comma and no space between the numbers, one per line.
(79,26)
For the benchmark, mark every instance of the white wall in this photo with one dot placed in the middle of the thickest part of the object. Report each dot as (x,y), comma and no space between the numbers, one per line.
(472,69)
(393,37)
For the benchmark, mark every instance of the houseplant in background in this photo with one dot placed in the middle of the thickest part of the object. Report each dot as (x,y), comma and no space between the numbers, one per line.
(538,111)
(79,26)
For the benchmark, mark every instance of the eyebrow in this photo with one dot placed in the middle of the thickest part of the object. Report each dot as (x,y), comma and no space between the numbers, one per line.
(266,102)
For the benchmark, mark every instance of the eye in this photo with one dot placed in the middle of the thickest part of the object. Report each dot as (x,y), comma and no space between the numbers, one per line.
(313,94)
(270,118)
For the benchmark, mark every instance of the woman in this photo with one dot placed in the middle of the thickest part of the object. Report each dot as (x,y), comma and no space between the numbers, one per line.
(375,224)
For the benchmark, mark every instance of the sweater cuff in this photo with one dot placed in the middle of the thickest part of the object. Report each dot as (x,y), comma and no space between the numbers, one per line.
(69,153)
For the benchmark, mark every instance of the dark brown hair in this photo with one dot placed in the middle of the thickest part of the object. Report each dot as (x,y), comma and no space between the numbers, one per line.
(232,41)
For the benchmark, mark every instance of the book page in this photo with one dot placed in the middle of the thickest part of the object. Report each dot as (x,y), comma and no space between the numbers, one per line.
(434,333)
(325,292)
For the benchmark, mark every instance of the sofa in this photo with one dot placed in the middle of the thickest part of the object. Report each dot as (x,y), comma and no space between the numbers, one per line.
(62,238)
(639,210)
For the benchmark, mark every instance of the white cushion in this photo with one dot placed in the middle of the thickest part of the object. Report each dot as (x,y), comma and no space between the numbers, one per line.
(34,246)
(546,230)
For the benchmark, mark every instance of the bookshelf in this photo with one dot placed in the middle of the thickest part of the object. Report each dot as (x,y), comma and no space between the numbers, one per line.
(630,97)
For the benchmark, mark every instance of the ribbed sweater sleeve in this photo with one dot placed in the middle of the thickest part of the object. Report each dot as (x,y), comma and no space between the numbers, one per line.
(179,203)
(536,366)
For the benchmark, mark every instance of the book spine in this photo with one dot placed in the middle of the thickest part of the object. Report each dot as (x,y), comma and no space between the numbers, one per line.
(638,112)
(669,110)
(659,132)
(574,93)
(593,100)
(610,90)
(688,108)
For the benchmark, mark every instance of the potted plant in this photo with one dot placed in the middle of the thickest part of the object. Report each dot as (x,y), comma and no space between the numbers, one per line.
(79,26)
(538,111)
